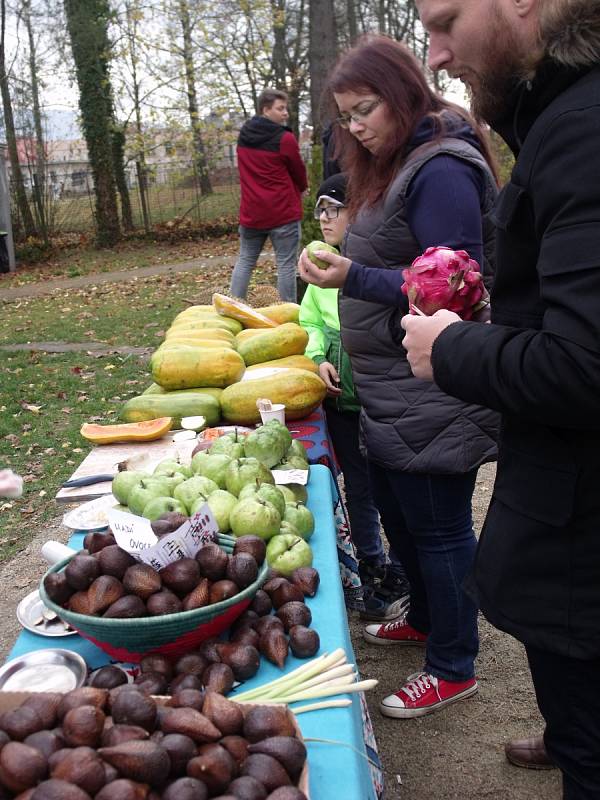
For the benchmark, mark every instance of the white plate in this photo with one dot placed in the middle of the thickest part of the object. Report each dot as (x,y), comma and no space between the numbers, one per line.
(30,610)
(44,671)
(90,516)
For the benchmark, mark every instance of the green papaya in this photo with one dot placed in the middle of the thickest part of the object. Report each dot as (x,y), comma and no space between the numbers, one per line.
(172,404)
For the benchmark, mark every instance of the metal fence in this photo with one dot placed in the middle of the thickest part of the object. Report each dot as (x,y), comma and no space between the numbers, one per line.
(172,193)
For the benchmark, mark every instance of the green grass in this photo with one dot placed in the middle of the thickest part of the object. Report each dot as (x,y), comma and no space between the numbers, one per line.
(45,398)
(79,257)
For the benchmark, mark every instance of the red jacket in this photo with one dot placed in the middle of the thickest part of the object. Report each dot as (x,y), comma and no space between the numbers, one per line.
(272,174)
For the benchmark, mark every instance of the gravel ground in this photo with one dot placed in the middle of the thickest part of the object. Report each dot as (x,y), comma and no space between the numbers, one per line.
(456,753)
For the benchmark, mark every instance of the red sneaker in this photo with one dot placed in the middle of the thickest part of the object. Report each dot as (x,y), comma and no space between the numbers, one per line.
(423,693)
(397,632)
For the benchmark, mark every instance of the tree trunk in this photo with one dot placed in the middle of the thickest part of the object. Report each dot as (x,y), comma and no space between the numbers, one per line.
(40,194)
(352,22)
(11,139)
(190,79)
(118,144)
(87,22)
(140,162)
(322,53)
(279,59)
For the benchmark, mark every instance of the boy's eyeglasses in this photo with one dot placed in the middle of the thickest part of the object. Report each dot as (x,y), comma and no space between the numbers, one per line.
(345,120)
(331,212)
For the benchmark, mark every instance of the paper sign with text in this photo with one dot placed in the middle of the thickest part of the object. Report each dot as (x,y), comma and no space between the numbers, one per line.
(282,476)
(135,535)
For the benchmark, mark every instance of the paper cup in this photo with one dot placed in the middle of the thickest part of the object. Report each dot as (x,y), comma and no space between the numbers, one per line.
(53,552)
(277,411)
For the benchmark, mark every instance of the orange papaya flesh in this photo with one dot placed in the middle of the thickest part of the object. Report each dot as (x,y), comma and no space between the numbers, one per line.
(126,432)
(236,309)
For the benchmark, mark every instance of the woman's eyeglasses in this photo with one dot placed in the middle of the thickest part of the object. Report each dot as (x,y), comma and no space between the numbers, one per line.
(331,212)
(345,120)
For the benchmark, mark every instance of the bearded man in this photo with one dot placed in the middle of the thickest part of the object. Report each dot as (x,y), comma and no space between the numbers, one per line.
(532,67)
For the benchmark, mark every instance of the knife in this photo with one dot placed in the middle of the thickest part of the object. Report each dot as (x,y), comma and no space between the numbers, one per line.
(89,480)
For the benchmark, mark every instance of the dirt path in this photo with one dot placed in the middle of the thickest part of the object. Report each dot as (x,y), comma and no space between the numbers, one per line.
(47,287)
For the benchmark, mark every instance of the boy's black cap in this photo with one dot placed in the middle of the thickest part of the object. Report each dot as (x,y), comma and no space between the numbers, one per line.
(333,189)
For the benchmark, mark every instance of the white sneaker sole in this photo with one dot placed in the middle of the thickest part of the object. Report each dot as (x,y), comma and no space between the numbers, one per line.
(378,640)
(409,713)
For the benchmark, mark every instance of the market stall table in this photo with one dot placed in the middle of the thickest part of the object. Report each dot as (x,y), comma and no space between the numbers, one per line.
(343,764)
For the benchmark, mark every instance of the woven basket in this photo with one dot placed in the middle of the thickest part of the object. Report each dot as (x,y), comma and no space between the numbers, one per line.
(169,634)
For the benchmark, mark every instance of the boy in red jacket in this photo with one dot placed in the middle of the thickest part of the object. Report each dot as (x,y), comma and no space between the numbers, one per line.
(272,180)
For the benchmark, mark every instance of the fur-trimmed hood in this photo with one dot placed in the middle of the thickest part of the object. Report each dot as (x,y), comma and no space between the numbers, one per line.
(570,31)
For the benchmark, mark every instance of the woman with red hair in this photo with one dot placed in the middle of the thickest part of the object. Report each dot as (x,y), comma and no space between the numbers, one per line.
(420,175)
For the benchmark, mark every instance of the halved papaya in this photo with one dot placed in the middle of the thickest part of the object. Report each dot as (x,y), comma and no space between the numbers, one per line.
(127,432)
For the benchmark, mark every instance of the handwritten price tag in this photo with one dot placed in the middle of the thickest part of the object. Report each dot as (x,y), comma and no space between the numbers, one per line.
(135,535)
(290,476)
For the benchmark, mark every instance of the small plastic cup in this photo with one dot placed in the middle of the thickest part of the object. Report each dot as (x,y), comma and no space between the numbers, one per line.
(277,411)
(53,552)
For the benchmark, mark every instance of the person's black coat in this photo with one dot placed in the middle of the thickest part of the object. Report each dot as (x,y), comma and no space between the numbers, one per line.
(538,562)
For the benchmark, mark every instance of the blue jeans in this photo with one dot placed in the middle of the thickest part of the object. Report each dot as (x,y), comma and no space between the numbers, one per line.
(285,240)
(428,520)
(365,532)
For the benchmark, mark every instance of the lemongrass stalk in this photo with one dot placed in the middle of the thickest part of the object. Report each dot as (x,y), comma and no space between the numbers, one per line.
(319,706)
(345,680)
(266,687)
(361,686)
(294,678)
(300,683)
(336,672)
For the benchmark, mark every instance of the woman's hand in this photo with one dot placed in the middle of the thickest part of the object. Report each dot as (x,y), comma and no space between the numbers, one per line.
(331,378)
(331,278)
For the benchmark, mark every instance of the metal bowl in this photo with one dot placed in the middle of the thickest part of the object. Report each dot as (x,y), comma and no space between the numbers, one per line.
(50,670)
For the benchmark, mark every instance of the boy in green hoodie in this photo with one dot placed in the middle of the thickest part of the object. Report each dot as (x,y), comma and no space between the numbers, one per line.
(386,592)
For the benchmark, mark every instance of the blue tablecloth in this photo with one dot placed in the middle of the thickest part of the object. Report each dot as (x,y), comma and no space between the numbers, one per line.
(332,766)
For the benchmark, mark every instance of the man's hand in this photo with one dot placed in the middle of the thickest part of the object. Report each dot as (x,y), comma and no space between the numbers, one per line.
(331,378)
(331,278)
(421,333)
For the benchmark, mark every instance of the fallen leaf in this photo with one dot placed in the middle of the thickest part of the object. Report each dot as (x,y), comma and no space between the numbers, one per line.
(32,408)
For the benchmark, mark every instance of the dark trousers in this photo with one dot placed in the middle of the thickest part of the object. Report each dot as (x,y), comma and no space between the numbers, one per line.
(364,518)
(427,519)
(568,697)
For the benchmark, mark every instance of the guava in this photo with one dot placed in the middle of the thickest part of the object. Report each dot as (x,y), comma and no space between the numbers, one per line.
(287,552)
(161,505)
(231,444)
(293,492)
(212,465)
(221,503)
(171,465)
(123,483)
(317,245)
(147,489)
(301,518)
(252,517)
(265,445)
(265,491)
(281,431)
(189,490)
(297,450)
(246,470)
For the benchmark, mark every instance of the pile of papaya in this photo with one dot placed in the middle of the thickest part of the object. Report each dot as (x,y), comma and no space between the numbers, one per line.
(217,360)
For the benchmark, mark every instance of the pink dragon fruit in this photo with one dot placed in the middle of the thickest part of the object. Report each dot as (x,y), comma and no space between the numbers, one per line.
(444,278)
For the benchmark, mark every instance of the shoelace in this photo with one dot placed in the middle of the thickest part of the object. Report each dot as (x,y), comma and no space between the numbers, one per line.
(397,623)
(418,686)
